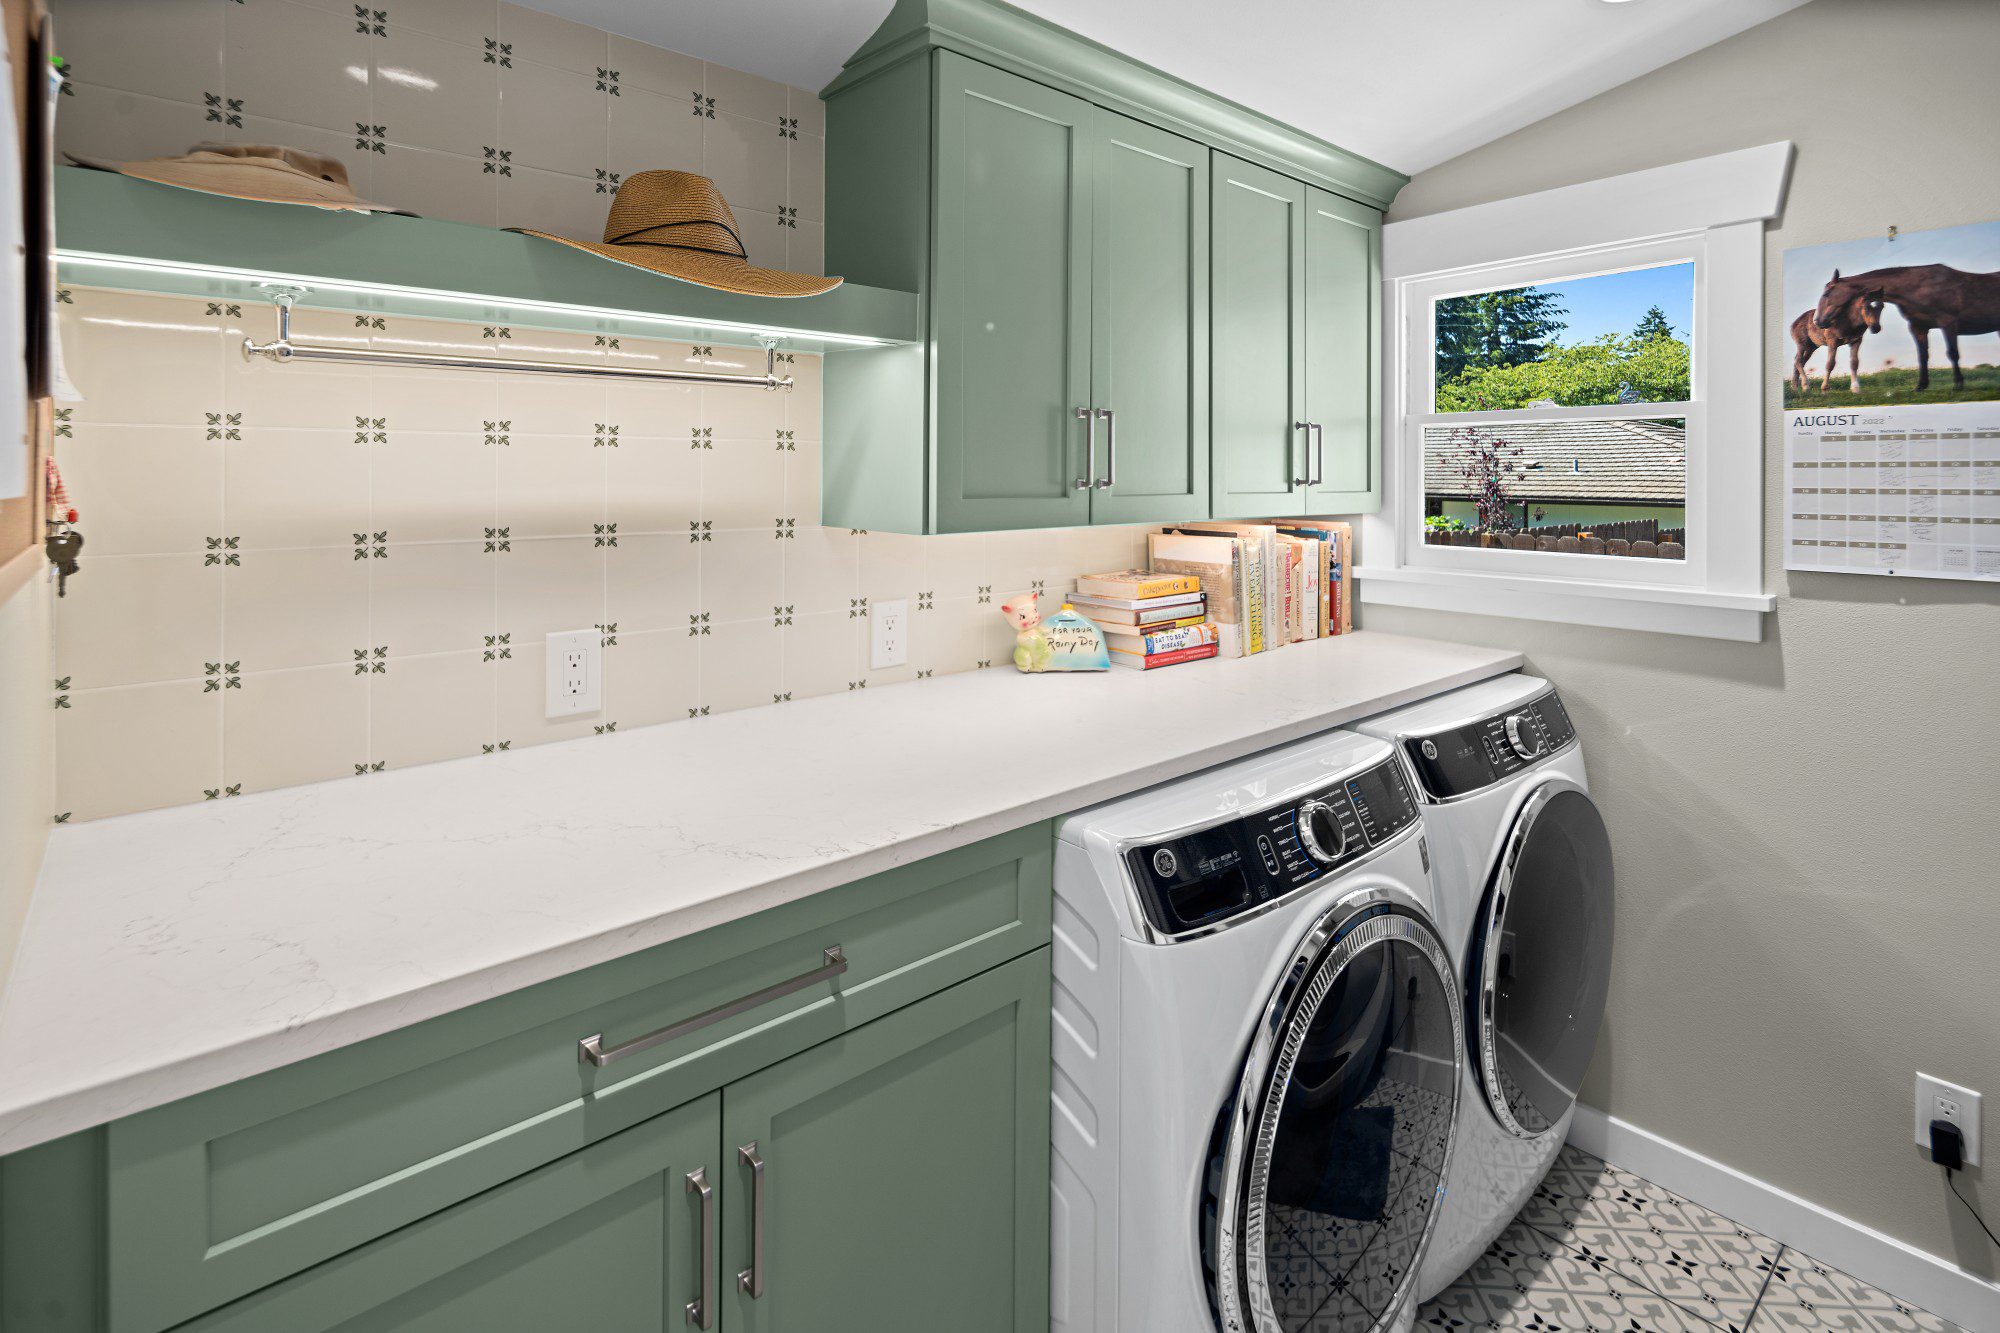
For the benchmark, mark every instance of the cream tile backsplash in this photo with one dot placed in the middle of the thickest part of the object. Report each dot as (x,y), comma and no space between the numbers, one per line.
(306,572)
(473,110)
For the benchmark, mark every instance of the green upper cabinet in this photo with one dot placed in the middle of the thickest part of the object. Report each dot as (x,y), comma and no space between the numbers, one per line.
(1258,367)
(1140,303)
(1343,397)
(1066,301)
(1296,369)
(1011,300)
(1149,323)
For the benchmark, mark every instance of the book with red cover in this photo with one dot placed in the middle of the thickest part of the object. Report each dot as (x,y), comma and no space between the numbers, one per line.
(1152,660)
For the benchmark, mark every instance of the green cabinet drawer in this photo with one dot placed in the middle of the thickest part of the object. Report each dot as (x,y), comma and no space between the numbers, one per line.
(220,1194)
(608,1238)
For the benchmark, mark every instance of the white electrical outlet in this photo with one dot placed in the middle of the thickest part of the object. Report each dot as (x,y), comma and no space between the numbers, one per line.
(1939,1100)
(575,672)
(888,634)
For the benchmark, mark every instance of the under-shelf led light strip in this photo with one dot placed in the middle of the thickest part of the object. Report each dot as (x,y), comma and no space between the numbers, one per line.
(125,263)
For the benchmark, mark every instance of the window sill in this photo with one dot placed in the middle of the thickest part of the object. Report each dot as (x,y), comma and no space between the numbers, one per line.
(1697,612)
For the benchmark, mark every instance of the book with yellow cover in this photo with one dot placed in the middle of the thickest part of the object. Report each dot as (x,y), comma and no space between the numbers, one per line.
(1136,584)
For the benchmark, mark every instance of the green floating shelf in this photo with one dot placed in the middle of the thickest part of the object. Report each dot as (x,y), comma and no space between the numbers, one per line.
(114,231)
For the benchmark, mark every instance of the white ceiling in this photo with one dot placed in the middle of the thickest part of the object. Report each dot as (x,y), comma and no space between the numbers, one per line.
(1406,82)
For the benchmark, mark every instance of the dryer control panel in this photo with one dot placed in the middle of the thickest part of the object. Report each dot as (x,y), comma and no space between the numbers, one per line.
(1205,877)
(1464,759)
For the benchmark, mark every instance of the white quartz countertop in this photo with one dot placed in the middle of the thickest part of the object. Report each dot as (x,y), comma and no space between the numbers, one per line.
(172,952)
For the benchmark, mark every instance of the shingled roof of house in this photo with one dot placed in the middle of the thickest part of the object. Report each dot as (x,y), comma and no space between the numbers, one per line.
(1608,462)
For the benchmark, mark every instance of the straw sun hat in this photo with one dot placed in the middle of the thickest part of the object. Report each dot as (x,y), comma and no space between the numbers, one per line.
(678,224)
(268,173)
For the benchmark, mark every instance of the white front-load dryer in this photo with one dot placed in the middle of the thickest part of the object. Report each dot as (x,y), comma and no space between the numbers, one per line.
(1257,1046)
(1523,873)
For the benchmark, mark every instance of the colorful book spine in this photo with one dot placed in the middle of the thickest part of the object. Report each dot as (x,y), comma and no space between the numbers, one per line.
(1164,641)
(1253,605)
(1151,661)
(1136,585)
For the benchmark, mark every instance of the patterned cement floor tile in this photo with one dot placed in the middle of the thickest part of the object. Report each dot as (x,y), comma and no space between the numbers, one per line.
(1527,1281)
(1805,1296)
(1697,1258)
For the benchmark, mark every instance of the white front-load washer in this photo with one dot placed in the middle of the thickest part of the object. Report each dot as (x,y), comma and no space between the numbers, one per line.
(1258,1043)
(1524,890)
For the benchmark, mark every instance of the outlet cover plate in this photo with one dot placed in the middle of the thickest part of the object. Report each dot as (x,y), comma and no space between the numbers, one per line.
(1939,1100)
(889,634)
(575,672)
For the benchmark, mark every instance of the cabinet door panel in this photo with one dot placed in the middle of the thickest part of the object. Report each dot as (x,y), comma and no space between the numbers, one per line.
(606,1238)
(1012,272)
(906,1170)
(1343,340)
(1258,319)
(1149,321)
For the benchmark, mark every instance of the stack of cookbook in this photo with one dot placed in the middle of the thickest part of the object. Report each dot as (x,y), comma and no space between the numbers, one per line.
(1149,619)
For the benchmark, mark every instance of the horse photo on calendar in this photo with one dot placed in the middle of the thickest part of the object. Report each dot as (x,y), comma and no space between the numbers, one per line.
(1896,319)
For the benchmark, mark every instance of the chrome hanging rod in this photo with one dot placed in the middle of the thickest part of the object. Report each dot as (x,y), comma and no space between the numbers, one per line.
(283,349)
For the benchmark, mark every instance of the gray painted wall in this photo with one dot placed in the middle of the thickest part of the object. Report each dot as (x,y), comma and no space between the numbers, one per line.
(1809,873)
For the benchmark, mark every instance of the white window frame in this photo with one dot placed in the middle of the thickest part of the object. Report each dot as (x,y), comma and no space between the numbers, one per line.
(1709,212)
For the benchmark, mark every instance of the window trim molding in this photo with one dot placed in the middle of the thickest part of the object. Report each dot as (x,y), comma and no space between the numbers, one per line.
(1723,201)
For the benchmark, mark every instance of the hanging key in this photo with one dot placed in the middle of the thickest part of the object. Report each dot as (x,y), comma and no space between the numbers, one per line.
(63,548)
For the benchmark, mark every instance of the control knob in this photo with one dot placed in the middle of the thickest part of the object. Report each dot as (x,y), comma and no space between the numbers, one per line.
(1320,832)
(1524,733)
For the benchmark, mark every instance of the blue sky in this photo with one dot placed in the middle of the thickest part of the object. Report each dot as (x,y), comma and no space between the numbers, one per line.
(1614,302)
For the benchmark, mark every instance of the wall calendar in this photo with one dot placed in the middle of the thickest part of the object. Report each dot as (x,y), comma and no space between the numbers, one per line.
(1892,405)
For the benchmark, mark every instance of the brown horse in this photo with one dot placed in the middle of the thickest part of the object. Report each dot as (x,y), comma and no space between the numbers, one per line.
(1931,296)
(1855,321)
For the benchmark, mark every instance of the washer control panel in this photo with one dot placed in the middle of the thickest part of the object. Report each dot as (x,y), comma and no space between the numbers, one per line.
(1479,754)
(1205,877)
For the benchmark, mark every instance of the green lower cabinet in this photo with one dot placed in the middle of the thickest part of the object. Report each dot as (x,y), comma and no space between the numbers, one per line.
(904,1187)
(905,1171)
(608,1238)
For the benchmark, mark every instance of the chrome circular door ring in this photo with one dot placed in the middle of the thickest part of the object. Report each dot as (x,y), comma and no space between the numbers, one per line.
(1545,959)
(1341,1126)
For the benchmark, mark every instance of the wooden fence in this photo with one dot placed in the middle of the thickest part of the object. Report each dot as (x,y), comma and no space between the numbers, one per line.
(1641,537)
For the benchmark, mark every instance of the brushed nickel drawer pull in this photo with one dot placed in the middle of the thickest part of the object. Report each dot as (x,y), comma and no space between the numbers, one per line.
(701,1310)
(590,1050)
(751,1280)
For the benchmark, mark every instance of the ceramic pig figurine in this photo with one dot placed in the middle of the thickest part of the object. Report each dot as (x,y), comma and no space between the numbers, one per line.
(1064,642)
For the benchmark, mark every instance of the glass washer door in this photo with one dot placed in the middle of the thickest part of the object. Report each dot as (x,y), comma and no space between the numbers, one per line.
(1544,959)
(1341,1151)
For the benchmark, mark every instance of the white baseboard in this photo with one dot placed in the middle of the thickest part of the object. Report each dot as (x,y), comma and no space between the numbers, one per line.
(1902,1270)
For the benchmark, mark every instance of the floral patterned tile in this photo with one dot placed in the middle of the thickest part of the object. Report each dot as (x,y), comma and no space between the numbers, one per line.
(1805,1296)
(1527,1281)
(1694,1257)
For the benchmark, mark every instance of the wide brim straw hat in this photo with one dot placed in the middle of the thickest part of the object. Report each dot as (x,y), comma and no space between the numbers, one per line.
(266,173)
(677,224)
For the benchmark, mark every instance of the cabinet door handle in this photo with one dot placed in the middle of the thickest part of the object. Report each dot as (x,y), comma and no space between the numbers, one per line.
(1089,420)
(590,1050)
(701,1310)
(751,1279)
(1319,453)
(1110,477)
(1305,426)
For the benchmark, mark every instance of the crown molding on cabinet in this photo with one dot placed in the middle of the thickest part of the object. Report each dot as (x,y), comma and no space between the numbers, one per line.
(999,34)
